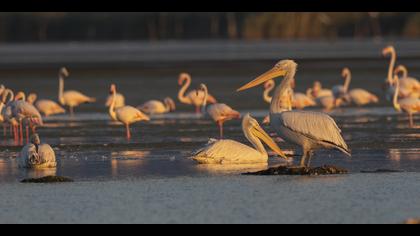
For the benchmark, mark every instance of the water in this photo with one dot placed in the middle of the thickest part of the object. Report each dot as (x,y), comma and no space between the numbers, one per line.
(93,151)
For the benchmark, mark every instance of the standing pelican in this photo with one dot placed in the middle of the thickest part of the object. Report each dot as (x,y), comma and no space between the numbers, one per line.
(309,130)
(158,107)
(232,152)
(358,96)
(408,105)
(70,98)
(194,97)
(126,114)
(37,155)
(297,100)
(45,106)
(220,112)
(409,86)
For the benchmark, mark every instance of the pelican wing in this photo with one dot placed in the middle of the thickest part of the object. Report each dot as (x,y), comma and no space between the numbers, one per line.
(227,152)
(316,126)
(47,155)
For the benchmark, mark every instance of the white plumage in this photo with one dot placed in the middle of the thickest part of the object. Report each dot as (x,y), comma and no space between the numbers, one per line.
(37,155)
(194,97)
(158,107)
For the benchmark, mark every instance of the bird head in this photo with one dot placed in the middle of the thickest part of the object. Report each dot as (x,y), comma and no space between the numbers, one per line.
(35,139)
(170,103)
(345,72)
(63,72)
(182,77)
(112,89)
(388,50)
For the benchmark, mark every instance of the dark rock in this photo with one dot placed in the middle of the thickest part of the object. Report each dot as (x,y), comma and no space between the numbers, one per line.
(48,179)
(298,170)
(381,171)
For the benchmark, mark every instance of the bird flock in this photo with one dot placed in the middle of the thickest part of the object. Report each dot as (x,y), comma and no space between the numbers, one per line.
(306,129)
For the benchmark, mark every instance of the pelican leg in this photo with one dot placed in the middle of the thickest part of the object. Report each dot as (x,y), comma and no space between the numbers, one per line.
(303,159)
(311,154)
(127,127)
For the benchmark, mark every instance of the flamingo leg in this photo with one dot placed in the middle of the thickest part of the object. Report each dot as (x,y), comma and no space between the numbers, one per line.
(21,132)
(12,131)
(220,124)
(127,127)
(71,111)
(197,110)
(410,116)
(4,130)
(27,134)
(15,134)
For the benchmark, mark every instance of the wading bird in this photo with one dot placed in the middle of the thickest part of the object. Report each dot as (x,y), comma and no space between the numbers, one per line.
(309,130)
(194,97)
(45,106)
(219,112)
(297,100)
(126,114)
(232,152)
(358,96)
(70,98)
(119,102)
(408,105)
(37,155)
(409,86)
(158,107)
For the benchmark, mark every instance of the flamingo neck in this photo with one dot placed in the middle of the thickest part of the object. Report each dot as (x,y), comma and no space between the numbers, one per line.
(391,66)
(278,105)
(396,92)
(181,93)
(61,90)
(6,93)
(267,98)
(112,112)
(206,94)
(347,82)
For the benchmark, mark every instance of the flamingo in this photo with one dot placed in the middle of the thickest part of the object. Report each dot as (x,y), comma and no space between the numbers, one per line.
(408,105)
(232,152)
(119,102)
(358,96)
(2,89)
(298,100)
(409,86)
(37,155)
(45,106)
(6,114)
(194,97)
(219,112)
(317,91)
(158,107)
(22,110)
(126,114)
(70,98)
(309,130)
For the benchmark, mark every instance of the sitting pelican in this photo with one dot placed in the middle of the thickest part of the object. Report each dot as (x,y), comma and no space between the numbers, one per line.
(120,101)
(70,98)
(409,86)
(158,107)
(408,105)
(220,112)
(231,152)
(358,96)
(194,97)
(126,114)
(309,130)
(45,106)
(37,155)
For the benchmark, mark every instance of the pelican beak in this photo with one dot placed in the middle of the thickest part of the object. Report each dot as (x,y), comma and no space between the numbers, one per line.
(271,74)
(261,134)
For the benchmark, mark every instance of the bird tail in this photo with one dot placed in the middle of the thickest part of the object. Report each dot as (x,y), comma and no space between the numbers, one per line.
(91,100)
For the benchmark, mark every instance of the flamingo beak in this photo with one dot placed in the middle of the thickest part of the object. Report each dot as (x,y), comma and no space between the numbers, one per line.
(271,74)
(260,133)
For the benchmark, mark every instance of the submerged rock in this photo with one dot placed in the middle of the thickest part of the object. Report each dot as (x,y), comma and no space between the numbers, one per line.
(298,170)
(48,179)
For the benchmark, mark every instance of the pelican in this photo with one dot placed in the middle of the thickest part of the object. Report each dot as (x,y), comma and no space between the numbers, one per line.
(126,114)
(194,97)
(232,152)
(309,130)
(45,106)
(119,102)
(37,155)
(358,96)
(22,110)
(70,98)
(219,112)
(408,105)
(158,107)
(409,86)
(297,100)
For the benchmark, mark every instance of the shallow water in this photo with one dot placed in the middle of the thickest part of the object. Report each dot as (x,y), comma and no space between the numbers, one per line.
(91,148)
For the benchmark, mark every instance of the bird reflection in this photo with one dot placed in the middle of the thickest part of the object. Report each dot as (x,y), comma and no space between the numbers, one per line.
(231,169)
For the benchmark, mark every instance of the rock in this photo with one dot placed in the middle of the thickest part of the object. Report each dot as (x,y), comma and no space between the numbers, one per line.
(298,170)
(381,171)
(48,179)
(412,221)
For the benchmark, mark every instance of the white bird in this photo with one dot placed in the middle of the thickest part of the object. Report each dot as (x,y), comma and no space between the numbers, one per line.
(158,107)
(194,97)
(409,86)
(219,112)
(70,98)
(309,130)
(409,105)
(358,96)
(126,114)
(119,102)
(232,152)
(37,155)
(45,106)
